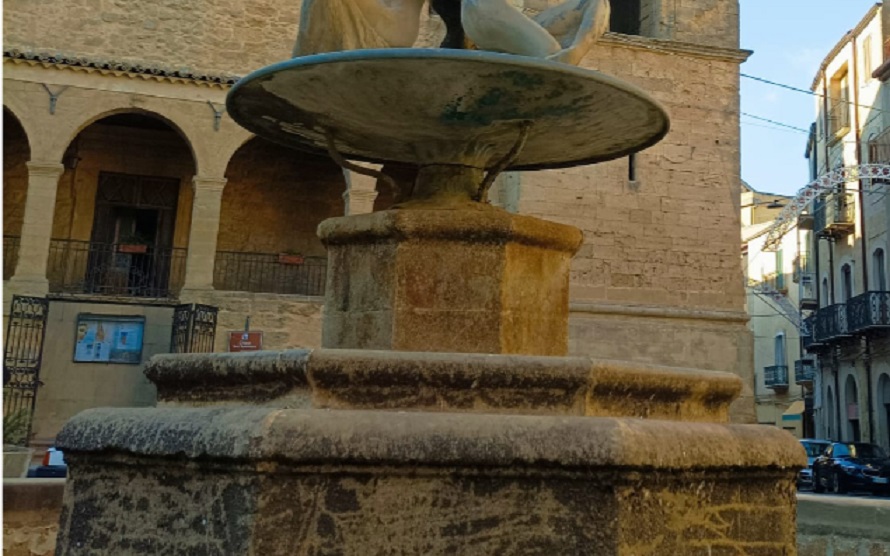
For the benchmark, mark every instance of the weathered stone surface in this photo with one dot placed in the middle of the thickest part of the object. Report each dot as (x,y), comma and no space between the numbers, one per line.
(464,278)
(286,481)
(31,510)
(353,379)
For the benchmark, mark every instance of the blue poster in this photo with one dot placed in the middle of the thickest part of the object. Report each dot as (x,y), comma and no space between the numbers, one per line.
(109,339)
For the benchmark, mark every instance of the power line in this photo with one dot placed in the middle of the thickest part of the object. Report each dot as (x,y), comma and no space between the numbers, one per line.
(774,122)
(806,92)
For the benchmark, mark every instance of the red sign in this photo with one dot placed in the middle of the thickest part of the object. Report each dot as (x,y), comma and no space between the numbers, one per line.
(245,341)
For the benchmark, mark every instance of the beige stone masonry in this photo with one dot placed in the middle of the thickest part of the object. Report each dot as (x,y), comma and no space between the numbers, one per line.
(30,274)
(204,232)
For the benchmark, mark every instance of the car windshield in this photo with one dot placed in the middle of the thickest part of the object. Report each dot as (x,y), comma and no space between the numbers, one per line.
(866,451)
(814,449)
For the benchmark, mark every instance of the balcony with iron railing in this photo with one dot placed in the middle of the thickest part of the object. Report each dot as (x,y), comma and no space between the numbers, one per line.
(831,323)
(835,215)
(270,273)
(869,311)
(807,333)
(838,117)
(10,255)
(804,371)
(776,377)
(879,148)
(115,270)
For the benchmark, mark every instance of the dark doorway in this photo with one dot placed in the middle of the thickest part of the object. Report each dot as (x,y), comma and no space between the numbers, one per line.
(625,17)
(131,247)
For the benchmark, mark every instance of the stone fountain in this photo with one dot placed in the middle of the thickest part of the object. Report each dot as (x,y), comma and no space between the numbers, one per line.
(442,415)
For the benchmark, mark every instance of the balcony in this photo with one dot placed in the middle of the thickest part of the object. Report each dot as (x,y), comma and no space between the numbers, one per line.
(776,377)
(879,148)
(116,270)
(838,117)
(869,311)
(831,323)
(835,215)
(10,255)
(270,273)
(804,372)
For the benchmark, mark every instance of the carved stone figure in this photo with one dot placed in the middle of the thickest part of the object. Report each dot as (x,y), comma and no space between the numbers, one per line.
(335,25)
(563,33)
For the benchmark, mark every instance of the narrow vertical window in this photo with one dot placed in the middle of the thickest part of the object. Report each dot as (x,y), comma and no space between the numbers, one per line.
(880,270)
(847,282)
(632,167)
(867,68)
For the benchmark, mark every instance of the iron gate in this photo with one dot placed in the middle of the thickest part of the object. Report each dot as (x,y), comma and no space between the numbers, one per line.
(194,328)
(23,352)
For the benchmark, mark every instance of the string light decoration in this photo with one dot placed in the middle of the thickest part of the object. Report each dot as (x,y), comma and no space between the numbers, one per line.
(827,183)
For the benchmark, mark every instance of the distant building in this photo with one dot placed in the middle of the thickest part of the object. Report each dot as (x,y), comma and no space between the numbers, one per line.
(850,319)
(777,281)
(129,192)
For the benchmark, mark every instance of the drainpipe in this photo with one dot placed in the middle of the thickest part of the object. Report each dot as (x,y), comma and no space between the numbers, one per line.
(835,360)
(863,240)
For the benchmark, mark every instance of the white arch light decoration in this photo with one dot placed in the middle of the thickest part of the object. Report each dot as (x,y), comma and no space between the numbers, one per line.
(829,182)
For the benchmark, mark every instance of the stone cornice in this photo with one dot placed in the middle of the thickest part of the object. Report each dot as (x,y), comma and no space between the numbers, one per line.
(676,48)
(580,307)
(133,70)
(44,168)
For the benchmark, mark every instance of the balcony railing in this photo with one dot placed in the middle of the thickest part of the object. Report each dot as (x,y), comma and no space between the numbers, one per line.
(879,148)
(807,332)
(10,255)
(804,371)
(835,215)
(776,377)
(831,323)
(269,273)
(839,116)
(110,269)
(868,311)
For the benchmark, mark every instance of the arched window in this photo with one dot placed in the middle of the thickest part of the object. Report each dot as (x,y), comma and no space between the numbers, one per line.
(880,270)
(780,359)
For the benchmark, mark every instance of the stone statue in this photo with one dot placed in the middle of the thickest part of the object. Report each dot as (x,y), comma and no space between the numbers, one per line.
(335,25)
(562,33)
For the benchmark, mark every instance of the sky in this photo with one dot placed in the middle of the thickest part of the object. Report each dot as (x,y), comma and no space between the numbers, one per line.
(790,38)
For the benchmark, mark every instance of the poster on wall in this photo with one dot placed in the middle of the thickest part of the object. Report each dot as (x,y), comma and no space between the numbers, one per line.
(245,341)
(109,339)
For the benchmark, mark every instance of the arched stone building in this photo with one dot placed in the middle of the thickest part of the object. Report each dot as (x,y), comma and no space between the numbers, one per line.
(116,134)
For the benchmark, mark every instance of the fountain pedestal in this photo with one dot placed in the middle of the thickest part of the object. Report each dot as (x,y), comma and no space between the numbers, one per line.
(437,450)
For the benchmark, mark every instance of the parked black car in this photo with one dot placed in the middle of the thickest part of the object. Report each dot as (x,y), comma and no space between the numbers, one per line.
(814,449)
(852,466)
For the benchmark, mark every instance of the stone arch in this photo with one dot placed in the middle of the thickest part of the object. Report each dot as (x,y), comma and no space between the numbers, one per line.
(850,410)
(16,154)
(273,201)
(127,177)
(882,396)
(108,113)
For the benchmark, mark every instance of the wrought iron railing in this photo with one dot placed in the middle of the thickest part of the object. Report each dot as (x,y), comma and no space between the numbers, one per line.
(123,270)
(869,310)
(879,148)
(838,209)
(10,255)
(807,332)
(839,116)
(775,376)
(804,371)
(270,273)
(831,323)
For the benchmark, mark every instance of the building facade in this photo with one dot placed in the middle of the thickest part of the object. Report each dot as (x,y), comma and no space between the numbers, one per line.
(778,282)
(128,192)
(848,325)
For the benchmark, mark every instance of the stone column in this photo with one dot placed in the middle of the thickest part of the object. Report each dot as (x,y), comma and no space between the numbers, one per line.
(37,227)
(204,231)
(361,191)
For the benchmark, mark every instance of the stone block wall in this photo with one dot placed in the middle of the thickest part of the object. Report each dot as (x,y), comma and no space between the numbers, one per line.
(286,321)
(275,198)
